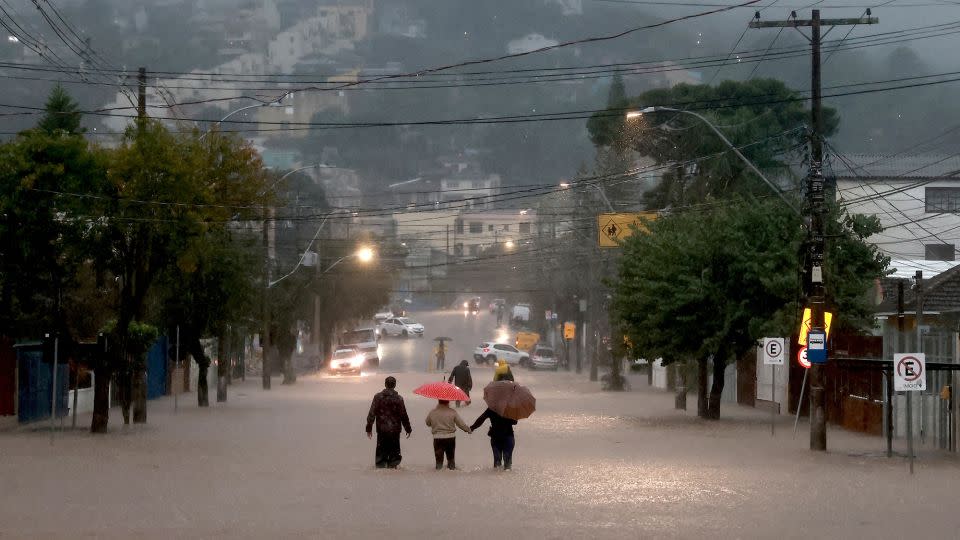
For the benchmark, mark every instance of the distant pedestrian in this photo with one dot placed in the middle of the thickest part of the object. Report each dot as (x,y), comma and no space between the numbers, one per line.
(443,423)
(502,371)
(461,377)
(390,414)
(501,437)
(441,356)
(499,314)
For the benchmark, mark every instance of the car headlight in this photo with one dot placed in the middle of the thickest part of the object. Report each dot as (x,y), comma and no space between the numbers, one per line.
(465,304)
(379,351)
(357,361)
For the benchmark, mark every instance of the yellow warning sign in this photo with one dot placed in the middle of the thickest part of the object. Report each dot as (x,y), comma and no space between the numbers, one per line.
(569,331)
(615,227)
(807,323)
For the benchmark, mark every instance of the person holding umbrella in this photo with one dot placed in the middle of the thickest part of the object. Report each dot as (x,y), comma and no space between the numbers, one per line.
(444,421)
(461,377)
(507,402)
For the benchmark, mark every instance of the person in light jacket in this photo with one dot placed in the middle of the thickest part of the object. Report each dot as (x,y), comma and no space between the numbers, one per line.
(443,423)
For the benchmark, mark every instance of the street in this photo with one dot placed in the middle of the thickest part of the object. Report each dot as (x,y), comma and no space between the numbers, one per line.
(294,463)
(467,330)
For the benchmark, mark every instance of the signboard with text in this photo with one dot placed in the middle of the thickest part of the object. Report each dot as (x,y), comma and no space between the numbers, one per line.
(909,372)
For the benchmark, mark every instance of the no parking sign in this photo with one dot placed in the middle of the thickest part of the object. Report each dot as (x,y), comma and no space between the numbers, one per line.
(909,372)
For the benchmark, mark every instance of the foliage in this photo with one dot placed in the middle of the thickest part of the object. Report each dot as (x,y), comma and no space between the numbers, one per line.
(712,282)
(62,114)
(44,228)
(761,116)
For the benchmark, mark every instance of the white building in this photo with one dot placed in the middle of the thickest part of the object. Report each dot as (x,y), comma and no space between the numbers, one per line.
(916,198)
(475,232)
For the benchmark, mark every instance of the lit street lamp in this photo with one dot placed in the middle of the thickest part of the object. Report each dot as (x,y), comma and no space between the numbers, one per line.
(634,115)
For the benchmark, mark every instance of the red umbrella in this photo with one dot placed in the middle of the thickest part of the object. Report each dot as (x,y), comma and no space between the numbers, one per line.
(442,390)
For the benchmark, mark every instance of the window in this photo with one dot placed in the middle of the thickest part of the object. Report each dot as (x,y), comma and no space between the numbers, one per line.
(452,185)
(458,250)
(524,228)
(506,228)
(477,184)
(476,227)
(942,200)
(489,227)
(458,226)
(940,252)
(474,250)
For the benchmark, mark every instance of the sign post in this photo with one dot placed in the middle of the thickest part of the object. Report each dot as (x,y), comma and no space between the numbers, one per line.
(909,375)
(774,353)
(802,360)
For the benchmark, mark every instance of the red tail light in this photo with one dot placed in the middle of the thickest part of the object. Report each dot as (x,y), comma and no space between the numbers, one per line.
(485,349)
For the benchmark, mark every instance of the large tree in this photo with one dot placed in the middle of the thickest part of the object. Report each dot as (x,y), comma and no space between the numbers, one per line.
(763,117)
(707,284)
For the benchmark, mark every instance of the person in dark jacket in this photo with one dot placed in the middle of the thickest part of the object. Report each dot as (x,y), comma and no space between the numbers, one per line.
(501,437)
(390,414)
(461,377)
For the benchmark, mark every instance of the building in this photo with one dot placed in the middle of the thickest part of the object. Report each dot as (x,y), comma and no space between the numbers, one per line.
(916,198)
(474,232)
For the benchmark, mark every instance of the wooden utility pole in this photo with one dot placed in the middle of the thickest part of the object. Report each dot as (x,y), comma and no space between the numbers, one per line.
(815,204)
(265,303)
(142,93)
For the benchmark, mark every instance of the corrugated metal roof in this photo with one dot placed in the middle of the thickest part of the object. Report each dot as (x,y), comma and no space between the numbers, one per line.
(906,166)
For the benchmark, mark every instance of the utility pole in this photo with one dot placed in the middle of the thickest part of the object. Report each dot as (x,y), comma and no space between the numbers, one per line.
(919,349)
(142,93)
(815,204)
(265,304)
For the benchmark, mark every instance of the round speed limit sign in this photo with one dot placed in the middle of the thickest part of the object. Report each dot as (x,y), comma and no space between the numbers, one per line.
(802,358)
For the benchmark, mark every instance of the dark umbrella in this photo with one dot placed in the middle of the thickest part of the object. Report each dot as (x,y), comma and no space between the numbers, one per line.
(509,399)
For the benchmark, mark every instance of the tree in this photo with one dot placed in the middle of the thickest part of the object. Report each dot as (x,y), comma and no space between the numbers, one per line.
(62,114)
(762,116)
(45,226)
(708,284)
(164,194)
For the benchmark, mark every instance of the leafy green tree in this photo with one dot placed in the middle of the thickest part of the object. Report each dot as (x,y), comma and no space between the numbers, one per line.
(709,283)
(762,116)
(45,226)
(62,114)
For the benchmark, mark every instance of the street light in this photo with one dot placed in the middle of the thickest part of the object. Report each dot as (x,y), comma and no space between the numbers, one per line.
(274,103)
(633,115)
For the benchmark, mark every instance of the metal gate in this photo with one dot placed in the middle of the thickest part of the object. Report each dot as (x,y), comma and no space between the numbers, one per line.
(36,377)
(157,369)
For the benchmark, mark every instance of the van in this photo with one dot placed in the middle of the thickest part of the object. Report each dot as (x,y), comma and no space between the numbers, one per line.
(364,340)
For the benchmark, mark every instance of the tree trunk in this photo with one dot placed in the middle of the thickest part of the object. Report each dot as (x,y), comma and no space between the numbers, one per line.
(124,390)
(196,350)
(101,398)
(650,373)
(716,391)
(289,377)
(138,391)
(703,408)
(223,363)
(680,401)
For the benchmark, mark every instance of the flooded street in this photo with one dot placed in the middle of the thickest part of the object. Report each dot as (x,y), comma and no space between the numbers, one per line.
(294,463)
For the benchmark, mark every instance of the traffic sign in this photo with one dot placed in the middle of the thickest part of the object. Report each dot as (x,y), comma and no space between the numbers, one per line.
(909,372)
(817,347)
(807,322)
(613,228)
(569,331)
(773,351)
(802,358)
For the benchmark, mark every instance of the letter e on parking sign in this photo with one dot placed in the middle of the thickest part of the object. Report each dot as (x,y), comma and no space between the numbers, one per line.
(774,351)
(909,372)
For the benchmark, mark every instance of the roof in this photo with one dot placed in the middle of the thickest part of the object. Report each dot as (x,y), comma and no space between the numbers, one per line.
(897,166)
(941,293)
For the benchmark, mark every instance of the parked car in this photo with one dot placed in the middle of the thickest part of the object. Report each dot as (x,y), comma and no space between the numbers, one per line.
(543,358)
(401,326)
(346,361)
(489,353)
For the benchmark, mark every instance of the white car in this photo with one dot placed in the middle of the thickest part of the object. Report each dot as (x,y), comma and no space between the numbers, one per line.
(543,358)
(489,353)
(347,361)
(401,326)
